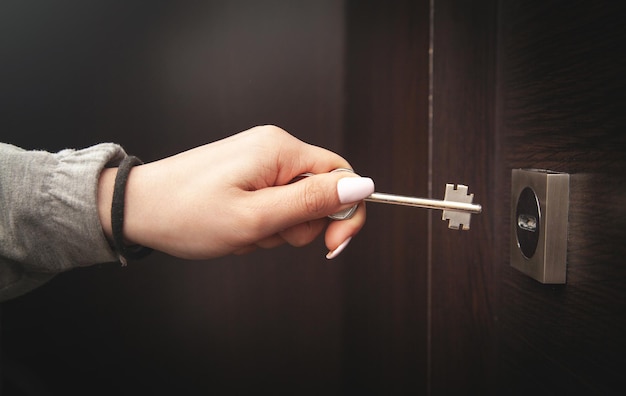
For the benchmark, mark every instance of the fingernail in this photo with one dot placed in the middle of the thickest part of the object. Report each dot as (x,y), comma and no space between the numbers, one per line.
(354,189)
(334,253)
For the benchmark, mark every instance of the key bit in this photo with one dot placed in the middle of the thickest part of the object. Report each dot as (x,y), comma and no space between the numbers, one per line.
(457,219)
(457,204)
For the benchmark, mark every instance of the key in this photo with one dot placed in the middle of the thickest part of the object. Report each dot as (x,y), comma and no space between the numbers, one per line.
(457,204)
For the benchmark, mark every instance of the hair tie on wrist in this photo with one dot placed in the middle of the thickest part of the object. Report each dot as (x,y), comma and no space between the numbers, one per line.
(117,213)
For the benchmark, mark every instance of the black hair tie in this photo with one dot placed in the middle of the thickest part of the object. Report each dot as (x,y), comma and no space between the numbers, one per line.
(117,213)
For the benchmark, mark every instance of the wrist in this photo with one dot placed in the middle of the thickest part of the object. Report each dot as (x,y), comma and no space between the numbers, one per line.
(105,200)
(121,208)
(137,208)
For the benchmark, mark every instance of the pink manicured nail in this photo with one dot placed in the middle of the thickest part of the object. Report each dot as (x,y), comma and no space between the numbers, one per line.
(354,189)
(334,253)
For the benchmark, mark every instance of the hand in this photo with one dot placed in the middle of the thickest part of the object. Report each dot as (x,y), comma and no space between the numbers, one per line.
(235,195)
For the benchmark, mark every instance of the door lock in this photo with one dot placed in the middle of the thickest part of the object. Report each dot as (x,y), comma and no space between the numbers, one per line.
(539,210)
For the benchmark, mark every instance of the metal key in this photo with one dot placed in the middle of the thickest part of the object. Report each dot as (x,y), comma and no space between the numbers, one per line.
(457,204)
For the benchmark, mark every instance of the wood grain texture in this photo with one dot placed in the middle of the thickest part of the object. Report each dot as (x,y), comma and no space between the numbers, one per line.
(562,98)
(463,277)
(386,122)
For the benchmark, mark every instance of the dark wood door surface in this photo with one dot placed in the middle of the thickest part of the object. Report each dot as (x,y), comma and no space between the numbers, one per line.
(529,84)
(386,137)
(561,100)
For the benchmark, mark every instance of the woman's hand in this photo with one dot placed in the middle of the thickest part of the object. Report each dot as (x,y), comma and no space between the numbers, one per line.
(235,195)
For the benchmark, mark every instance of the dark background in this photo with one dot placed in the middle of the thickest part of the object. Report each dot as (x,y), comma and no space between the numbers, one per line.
(160,77)
(415,94)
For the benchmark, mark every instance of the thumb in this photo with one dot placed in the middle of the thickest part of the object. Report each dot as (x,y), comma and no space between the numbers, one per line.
(313,198)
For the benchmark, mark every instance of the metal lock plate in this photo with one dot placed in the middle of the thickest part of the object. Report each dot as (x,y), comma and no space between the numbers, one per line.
(539,211)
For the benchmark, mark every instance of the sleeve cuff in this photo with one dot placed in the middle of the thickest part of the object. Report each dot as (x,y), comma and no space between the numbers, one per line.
(51,220)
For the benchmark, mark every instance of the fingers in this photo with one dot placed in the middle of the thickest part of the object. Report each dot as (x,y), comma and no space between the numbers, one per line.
(276,210)
(297,213)
(310,199)
(340,233)
(304,233)
(298,235)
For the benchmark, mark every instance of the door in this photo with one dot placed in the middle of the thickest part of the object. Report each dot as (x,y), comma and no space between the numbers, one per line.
(512,84)
(529,84)
(561,99)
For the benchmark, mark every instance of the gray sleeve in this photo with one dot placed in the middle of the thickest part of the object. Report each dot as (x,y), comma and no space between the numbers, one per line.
(49,220)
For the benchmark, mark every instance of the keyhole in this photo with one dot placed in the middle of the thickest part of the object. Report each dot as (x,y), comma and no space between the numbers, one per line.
(528,217)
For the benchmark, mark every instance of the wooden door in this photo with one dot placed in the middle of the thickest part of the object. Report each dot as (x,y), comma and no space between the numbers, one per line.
(525,84)
(462,283)
(420,115)
(561,101)
(386,137)
(529,84)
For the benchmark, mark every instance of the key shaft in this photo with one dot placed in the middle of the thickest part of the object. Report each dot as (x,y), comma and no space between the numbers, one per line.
(424,202)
